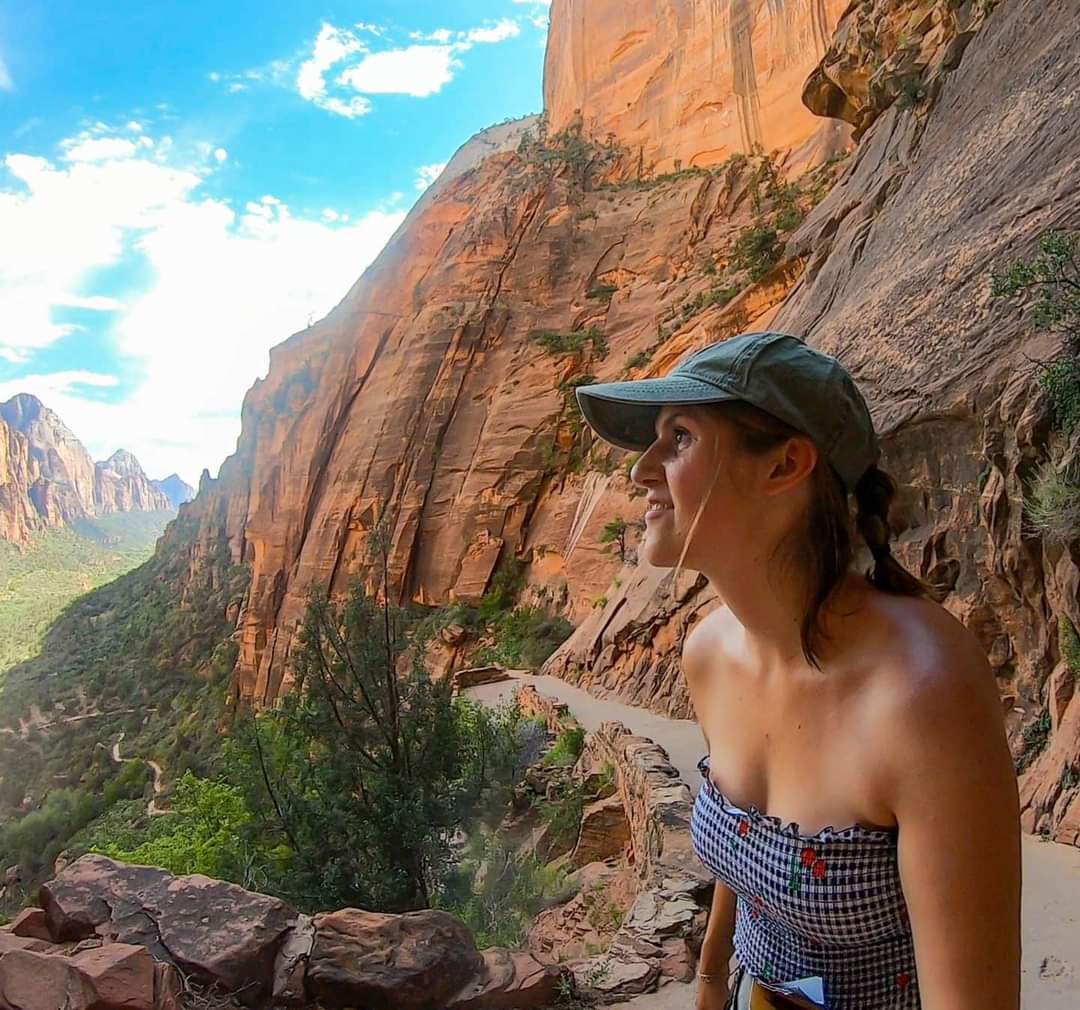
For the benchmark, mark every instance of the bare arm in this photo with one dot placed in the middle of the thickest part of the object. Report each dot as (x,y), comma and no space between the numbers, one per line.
(717,947)
(955,801)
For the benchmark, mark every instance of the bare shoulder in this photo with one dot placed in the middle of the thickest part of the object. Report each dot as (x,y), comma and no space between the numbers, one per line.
(704,647)
(933,699)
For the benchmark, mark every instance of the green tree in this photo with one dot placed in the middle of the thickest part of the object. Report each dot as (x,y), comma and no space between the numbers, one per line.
(359,767)
(203,833)
(615,532)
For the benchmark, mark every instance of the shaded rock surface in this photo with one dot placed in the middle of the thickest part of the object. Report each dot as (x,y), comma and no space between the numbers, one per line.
(414,961)
(894,278)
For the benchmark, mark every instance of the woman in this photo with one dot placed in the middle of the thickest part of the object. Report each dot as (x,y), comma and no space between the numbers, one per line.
(826,698)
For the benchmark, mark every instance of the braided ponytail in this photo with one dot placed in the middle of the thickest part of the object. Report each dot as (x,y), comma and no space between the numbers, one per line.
(825,548)
(873,496)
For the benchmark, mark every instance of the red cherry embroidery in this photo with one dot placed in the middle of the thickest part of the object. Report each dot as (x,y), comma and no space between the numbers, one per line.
(818,869)
(756,906)
(744,828)
(808,857)
(903,980)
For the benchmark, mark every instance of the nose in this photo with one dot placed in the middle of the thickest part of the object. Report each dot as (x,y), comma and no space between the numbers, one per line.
(646,471)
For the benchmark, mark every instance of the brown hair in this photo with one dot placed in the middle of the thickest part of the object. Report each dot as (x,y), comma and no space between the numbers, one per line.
(827,545)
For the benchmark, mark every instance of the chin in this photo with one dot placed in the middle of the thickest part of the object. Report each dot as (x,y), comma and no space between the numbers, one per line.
(661,555)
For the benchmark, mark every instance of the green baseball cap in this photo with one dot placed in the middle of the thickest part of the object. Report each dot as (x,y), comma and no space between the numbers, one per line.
(777,372)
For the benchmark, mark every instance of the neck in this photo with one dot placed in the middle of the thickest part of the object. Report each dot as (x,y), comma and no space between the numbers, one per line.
(770,602)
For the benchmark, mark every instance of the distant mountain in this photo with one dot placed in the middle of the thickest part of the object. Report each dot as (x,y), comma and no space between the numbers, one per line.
(175,489)
(122,486)
(48,480)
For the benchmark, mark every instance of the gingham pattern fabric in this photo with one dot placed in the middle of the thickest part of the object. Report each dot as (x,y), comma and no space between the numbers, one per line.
(828,904)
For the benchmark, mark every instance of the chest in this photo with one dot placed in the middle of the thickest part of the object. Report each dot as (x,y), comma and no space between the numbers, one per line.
(836,887)
(803,753)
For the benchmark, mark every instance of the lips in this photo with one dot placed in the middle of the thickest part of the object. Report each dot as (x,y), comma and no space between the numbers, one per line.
(657,509)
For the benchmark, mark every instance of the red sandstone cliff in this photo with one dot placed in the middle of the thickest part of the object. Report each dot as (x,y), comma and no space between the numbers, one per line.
(691,82)
(48,480)
(425,399)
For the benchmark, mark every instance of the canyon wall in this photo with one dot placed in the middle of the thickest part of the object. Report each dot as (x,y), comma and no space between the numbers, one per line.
(19,518)
(687,83)
(48,480)
(895,281)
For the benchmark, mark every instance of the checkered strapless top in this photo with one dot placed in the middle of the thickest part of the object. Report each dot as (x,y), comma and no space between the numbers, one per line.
(828,904)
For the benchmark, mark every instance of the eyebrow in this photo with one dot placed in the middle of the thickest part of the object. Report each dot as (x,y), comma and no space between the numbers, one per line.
(670,417)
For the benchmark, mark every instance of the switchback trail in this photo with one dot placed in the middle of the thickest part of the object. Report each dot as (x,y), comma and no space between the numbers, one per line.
(1051,914)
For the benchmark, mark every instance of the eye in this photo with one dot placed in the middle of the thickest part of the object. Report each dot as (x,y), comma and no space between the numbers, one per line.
(676,432)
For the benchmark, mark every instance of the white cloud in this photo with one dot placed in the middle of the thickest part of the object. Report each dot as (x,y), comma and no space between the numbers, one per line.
(440,35)
(6,83)
(135,126)
(331,46)
(427,174)
(504,29)
(96,303)
(225,286)
(417,70)
(98,149)
(220,154)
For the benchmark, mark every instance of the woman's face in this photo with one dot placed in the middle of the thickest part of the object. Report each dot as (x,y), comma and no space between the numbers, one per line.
(694,448)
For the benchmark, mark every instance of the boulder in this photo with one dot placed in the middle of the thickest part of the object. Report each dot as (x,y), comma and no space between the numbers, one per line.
(121,976)
(290,968)
(605,832)
(114,977)
(381,961)
(476,675)
(31,922)
(509,980)
(168,990)
(617,973)
(9,941)
(214,930)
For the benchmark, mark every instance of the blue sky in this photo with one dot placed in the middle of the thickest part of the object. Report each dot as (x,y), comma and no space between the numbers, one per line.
(184,185)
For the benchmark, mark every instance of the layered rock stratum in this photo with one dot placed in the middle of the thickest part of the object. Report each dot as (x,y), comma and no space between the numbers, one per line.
(686,83)
(48,479)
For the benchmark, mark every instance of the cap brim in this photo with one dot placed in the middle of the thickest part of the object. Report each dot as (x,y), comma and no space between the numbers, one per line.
(624,413)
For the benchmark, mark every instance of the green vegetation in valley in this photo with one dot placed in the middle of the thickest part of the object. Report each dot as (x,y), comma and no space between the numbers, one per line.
(146,655)
(41,578)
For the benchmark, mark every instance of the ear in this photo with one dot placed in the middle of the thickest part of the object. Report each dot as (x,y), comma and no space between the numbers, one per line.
(793,463)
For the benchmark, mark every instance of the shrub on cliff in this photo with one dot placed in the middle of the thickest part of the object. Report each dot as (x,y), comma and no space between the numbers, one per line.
(499,893)
(203,833)
(1052,276)
(525,637)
